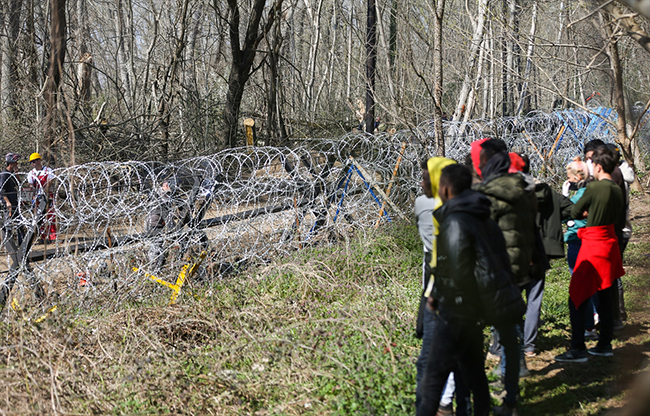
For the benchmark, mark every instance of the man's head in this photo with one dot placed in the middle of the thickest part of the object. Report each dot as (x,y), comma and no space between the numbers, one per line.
(591,146)
(454,179)
(604,162)
(36,161)
(12,161)
(431,169)
(489,148)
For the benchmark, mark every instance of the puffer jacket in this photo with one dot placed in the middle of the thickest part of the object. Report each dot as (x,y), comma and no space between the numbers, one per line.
(514,212)
(552,209)
(474,281)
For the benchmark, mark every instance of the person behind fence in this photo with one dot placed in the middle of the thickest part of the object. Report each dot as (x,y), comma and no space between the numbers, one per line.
(513,209)
(40,178)
(159,217)
(474,285)
(428,230)
(599,261)
(12,232)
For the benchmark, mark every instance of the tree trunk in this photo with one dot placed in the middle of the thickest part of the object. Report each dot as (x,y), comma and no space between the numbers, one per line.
(10,57)
(477,40)
(348,76)
(389,74)
(619,96)
(242,59)
(524,98)
(122,57)
(392,36)
(58,31)
(371,63)
(439,6)
(504,60)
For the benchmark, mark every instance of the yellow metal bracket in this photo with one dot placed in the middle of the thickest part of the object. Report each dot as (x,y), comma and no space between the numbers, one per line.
(186,272)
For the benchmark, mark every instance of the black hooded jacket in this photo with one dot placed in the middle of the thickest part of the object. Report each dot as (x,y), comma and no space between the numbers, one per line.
(474,281)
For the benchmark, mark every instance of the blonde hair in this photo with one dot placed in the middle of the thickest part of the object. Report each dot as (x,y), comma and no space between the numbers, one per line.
(578,169)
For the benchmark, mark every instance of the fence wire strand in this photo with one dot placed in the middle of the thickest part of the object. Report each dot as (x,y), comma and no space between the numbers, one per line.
(249,204)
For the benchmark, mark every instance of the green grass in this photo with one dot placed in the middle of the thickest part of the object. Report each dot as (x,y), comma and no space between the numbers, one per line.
(326,331)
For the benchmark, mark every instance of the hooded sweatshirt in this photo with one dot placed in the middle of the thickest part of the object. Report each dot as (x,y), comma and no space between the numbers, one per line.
(435,165)
(474,280)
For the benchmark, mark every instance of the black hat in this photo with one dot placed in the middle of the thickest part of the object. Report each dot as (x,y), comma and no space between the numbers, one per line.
(12,158)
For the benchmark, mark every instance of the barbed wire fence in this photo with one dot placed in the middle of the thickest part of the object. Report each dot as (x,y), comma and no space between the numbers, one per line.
(135,232)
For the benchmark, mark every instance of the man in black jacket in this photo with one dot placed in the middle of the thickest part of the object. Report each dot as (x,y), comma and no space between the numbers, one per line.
(474,282)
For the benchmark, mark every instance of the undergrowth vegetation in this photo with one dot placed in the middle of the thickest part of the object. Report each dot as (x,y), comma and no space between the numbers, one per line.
(329,330)
(326,331)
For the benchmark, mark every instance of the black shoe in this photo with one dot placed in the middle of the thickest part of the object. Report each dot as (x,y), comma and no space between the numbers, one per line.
(618,325)
(505,410)
(572,356)
(602,351)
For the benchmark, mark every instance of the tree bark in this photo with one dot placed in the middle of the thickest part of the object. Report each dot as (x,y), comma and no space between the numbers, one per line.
(371,63)
(242,59)
(477,40)
(524,99)
(10,56)
(58,28)
(439,9)
(619,98)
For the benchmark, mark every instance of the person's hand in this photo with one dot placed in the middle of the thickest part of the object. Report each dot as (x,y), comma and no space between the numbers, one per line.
(565,188)
(585,214)
(431,303)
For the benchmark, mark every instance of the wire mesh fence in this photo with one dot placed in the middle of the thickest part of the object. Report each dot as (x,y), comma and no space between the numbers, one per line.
(135,231)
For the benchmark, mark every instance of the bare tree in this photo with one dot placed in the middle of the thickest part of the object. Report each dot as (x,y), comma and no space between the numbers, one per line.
(371,64)
(243,57)
(58,34)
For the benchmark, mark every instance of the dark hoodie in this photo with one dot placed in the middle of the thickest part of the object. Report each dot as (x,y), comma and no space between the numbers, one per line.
(474,281)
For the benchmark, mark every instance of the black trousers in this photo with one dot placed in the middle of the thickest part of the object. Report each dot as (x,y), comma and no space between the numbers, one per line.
(605,301)
(457,344)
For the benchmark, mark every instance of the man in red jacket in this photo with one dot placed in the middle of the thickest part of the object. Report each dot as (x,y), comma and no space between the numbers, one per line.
(599,261)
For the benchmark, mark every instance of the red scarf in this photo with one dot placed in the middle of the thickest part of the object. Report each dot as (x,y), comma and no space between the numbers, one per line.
(598,264)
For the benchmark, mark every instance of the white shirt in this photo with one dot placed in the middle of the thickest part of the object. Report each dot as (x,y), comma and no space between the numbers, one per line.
(39,178)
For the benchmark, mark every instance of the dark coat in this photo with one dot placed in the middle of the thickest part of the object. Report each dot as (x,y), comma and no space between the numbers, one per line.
(474,281)
(552,209)
(514,211)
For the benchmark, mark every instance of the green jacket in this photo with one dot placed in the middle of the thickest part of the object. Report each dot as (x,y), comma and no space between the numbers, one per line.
(514,211)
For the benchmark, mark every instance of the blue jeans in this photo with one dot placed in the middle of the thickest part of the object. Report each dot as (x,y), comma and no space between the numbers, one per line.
(454,381)
(458,344)
(534,294)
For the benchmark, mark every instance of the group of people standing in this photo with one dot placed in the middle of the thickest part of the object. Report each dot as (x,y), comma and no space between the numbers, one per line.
(489,229)
(16,238)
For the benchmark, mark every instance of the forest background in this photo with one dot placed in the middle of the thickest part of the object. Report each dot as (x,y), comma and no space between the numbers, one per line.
(85,80)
